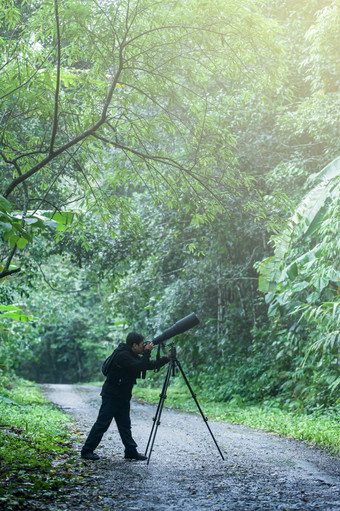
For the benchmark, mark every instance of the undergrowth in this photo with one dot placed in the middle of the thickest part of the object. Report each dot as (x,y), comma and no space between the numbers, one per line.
(34,439)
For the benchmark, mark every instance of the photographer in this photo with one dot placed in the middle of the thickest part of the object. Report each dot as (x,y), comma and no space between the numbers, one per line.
(129,361)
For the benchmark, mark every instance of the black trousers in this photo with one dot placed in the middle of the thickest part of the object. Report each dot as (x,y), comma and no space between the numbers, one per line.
(111,408)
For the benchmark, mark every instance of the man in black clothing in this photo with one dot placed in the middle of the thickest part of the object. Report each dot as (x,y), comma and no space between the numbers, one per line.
(129,361)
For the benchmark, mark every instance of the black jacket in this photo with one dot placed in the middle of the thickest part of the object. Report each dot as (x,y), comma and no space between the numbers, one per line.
(126,367)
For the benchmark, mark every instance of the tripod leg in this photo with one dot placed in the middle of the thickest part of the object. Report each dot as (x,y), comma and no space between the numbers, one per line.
(198,406)
(156,419)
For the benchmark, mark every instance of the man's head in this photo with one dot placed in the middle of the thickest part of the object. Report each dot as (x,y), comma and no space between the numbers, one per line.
(135,341)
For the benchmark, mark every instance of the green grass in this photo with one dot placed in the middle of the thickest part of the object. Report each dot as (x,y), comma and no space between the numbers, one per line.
(322,430)
(33,435)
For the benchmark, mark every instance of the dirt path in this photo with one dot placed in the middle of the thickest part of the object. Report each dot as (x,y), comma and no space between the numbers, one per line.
(261,471)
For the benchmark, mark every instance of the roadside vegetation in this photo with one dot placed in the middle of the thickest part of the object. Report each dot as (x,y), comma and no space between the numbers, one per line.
(35,446)
(318,429)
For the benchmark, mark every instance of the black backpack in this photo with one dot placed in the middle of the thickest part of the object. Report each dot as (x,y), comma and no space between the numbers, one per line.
(108,362)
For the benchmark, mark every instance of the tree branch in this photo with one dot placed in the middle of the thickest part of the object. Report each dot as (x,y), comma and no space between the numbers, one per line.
(76,140)
(24,155)
(28,80)
(6,270)
(172,27)
(164,160)
(155,102)
(56,95)
(6,273)
(160,159)
(63,291)
(55,179)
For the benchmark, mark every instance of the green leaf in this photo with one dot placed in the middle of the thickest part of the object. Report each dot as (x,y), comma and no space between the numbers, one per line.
(9,308)
(335,385)
(292,270)
(22,242)
(5,205)
(317,221)
(6,226)
(17,316)
(65,218)
(13,240)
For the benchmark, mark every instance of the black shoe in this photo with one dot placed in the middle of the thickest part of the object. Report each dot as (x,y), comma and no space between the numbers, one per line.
(90,456)
(136,456)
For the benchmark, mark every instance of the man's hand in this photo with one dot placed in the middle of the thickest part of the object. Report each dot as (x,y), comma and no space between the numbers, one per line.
(169,354)
(149,346)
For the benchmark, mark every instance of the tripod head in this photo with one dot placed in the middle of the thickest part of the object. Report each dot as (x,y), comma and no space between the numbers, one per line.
(173,358)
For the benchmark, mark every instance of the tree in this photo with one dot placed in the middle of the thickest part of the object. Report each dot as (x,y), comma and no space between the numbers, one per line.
(81,77)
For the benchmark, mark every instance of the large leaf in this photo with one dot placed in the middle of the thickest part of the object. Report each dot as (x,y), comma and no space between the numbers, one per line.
(54,220)
(310,207)
(306,220)
(5,205)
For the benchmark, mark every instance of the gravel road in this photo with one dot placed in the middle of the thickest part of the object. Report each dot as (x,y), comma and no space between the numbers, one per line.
(261,471)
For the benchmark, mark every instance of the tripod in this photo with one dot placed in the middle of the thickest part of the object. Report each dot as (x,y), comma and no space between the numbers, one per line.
(162,397)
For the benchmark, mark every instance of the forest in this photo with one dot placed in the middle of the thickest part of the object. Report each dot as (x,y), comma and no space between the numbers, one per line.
(162,158)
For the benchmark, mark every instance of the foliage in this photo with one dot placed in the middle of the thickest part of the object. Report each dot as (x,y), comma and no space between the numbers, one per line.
(32,434)
(17,229)
(124,114)
(323,60)
(302,279)
(303,226)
